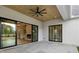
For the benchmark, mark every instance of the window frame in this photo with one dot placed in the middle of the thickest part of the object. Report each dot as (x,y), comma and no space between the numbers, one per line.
(49,32)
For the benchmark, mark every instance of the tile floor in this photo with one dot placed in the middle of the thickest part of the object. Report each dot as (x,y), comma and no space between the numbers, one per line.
(42,47)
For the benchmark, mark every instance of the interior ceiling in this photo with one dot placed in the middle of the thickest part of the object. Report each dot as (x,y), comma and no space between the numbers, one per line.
(52,11)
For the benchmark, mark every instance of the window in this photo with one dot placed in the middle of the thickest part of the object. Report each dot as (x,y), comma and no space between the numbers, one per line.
(55,33)
(74,10)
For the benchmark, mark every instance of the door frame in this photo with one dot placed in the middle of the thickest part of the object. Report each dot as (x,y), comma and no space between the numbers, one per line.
(32,33)
(49,32)
(1,32)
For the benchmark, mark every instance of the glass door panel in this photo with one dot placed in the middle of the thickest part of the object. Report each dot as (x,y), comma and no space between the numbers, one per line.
(55,33)
(34,33)
(8,35)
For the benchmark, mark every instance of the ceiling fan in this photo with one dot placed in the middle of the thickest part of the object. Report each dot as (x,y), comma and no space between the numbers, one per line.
(37,12)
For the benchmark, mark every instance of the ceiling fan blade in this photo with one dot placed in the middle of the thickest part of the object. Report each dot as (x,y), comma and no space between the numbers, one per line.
(35,14)
(43,10)
(32,10)
(37,9)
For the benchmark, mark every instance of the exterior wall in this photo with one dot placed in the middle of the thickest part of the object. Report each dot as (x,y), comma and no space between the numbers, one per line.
(70,33)
(11,14)
(70,27)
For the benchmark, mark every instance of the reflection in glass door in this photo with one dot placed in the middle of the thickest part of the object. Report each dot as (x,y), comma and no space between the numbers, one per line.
(34,33)
(55,33)
(8,33)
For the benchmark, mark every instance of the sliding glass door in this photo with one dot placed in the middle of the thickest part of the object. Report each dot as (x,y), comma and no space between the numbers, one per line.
(55,33)
(7,33)
(34,33)
(14,33)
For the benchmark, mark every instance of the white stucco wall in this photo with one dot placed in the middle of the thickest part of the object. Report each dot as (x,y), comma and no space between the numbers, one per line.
(70,31)
(11,14)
